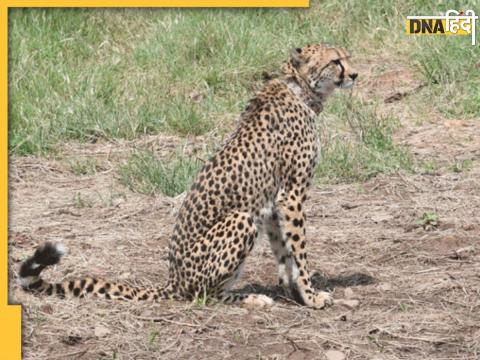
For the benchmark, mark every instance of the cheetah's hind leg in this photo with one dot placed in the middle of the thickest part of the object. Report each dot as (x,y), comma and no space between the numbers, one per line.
(229,243)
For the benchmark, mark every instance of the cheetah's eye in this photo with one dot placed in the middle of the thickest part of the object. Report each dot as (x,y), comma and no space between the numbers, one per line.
(337,61)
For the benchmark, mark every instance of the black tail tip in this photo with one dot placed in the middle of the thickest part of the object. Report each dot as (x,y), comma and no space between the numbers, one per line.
(49,253)
(45,255)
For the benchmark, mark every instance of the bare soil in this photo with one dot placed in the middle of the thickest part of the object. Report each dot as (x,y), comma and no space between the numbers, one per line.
(418,285)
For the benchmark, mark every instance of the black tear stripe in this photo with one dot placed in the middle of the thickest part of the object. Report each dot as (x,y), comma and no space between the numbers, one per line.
(342,74)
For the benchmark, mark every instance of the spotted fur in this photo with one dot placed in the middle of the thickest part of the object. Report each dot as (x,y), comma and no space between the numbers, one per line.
(257,182)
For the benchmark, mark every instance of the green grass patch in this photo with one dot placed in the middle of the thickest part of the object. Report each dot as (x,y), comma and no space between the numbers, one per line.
(429,220)
(146,174)
(81,202)
(366,147)
(85,74)
(462,166)
(450,69)
(83,166)
(429,166)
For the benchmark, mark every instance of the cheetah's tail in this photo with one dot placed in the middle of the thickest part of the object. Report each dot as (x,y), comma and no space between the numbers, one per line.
(50,254)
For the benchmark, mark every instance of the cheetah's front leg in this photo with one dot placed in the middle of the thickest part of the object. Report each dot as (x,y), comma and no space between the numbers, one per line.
(277,243)
(292,226)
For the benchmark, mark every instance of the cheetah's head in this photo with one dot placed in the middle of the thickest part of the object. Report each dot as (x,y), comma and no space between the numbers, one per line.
(323,68)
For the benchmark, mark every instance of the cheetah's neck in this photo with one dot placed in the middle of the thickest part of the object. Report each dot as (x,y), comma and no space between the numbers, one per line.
(299,87)
(313,101)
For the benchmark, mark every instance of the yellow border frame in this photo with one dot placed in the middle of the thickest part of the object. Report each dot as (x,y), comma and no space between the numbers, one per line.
(158,3)
(11,315)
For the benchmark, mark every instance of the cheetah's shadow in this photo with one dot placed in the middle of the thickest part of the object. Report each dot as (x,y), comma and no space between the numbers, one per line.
(320,282)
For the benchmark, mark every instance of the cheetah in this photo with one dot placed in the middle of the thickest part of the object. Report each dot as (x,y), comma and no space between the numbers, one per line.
(256,183)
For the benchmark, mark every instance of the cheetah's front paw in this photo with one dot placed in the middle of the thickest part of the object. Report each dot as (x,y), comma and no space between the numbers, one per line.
(318,300)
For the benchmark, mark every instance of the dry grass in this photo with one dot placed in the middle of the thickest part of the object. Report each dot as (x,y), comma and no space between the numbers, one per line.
(419,290)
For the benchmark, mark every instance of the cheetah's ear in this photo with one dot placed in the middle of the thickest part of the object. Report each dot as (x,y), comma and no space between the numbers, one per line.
(296,57)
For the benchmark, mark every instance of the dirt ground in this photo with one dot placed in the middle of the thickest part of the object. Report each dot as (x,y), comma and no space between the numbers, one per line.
(418,286)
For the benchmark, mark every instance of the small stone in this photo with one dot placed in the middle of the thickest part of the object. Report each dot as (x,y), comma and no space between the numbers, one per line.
(101,331)
(385,287)
(71,340)
(464,253)
(348,293)
(118,201)
(335,355)
(124,275)
(455,123)
(381,217)
(352,304)
(258,319)
(47,309)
